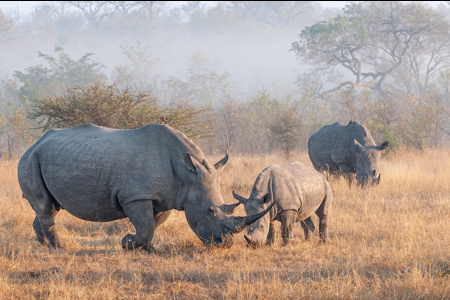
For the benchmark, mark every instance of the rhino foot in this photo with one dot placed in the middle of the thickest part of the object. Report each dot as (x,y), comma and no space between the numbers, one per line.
(149,249)
(129,243)
(39,234)
(44,227)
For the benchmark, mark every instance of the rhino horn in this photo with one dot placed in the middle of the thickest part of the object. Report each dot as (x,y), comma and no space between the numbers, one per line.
(240,223)
(239,198)
(229,208)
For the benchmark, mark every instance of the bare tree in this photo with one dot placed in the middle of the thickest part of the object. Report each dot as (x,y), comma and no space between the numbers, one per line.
(230,122)
(124,7)
(286,128)
(95,11)
(425,59)
(154,8)
(275,13)
(5,23)
(61,8)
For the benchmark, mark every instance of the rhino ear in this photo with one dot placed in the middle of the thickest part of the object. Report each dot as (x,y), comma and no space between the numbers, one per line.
(358,146)
(229,208)
(189,163)
(267,198)
(221,164)
(383,146)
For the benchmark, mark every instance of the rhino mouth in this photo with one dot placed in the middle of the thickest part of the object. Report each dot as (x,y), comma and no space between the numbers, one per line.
(225,241)
(368,180)
(250,243)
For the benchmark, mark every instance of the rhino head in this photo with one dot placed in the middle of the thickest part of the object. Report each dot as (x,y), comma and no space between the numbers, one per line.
(206,213)
(367,163)
(257,232)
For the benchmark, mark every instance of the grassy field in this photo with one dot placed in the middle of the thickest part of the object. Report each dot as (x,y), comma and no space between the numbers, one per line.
(388,242)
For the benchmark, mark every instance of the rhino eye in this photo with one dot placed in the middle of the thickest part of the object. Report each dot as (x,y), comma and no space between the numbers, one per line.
(211,209)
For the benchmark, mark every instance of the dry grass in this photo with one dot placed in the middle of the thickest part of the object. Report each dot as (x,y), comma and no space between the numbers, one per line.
(388,242)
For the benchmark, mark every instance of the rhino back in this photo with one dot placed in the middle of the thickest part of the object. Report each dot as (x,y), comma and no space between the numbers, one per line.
(90,171)
(295,187)
(321,144)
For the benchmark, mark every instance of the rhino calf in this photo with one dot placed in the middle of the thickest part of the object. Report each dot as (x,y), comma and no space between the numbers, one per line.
(298,192)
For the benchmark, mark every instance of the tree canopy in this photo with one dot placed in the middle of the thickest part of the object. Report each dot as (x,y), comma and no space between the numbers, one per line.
(384,46)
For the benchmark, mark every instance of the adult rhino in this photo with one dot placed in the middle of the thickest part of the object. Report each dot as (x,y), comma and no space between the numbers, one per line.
(339,149)
(102,174)
(298,192)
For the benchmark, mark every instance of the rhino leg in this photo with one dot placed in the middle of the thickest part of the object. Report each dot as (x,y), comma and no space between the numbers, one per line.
(141,216)
(271,234)
(44,225)
(308,225)
(322,213)
(323,229)
(345,170)
(287,223)
(39,233)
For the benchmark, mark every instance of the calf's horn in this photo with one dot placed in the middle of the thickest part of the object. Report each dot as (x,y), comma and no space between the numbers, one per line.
(239,198)
(240,223)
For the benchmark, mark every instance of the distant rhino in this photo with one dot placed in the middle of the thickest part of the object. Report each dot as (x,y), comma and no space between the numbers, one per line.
(345,150)
(102,174)
(298,192)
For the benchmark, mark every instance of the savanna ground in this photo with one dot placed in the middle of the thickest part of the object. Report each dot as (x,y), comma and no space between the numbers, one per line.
(388,242)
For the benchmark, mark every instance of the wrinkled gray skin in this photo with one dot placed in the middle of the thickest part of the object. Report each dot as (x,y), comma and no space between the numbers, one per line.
(101,174)
(345,150)
(298,192)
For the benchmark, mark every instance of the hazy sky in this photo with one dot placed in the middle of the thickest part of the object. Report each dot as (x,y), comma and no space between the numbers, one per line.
(252,61)
(26,7)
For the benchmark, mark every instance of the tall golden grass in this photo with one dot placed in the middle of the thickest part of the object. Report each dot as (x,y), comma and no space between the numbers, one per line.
(387,242)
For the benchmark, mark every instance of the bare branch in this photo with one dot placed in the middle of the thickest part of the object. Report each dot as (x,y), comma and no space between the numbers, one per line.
(442,128)
(95,11)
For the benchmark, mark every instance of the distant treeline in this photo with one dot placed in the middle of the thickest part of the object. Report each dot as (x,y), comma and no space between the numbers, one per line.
(384,64)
